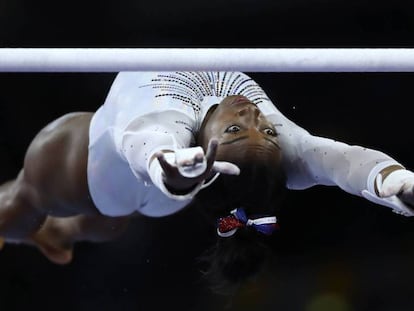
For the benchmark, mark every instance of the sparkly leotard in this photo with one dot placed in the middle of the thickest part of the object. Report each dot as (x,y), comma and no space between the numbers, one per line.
(150,111)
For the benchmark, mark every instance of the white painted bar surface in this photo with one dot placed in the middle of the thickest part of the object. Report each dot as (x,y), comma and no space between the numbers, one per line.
(205,59)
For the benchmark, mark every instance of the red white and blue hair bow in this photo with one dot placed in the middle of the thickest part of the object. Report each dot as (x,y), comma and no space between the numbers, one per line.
(227,226)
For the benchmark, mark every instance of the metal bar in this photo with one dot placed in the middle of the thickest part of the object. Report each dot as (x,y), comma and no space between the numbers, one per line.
(205,59)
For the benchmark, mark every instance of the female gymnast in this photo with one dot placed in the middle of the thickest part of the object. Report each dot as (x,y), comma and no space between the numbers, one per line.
(164,140)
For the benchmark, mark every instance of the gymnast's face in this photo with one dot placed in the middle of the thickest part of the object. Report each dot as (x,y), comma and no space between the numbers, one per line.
(242,131)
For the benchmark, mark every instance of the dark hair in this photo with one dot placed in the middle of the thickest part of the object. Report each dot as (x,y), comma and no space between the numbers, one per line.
(259,190)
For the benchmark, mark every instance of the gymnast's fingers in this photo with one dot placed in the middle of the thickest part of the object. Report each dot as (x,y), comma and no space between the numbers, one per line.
(226,168)
(211,153)
(168,169)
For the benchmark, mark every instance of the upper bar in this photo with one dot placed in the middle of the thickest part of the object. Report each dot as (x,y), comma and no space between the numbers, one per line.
(205,59)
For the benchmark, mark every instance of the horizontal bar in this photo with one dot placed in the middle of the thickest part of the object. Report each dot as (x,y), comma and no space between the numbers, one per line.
(205,59)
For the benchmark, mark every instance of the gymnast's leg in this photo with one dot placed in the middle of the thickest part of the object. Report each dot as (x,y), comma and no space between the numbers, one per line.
(53,183)
(19,216)
(57,235)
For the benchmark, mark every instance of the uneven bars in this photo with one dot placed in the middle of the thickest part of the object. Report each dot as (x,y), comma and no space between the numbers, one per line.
(205,59)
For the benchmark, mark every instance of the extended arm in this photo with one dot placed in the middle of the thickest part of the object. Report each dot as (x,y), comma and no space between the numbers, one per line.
(158,150)
(312,160)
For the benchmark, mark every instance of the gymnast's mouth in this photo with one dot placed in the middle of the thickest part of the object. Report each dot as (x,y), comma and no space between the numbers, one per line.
(240,100)
(236,100)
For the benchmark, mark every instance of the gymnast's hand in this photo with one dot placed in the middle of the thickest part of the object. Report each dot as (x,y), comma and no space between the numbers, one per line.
(191,167)
(400,183)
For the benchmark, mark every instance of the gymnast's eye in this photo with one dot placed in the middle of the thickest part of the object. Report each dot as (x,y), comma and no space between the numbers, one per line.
(270,132)
(233,129)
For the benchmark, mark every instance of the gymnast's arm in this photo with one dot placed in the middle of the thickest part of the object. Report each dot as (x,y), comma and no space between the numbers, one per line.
(311,160)
(158,149)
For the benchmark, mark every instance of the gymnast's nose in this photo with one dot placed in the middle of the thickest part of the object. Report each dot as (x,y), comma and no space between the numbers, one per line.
(250,114)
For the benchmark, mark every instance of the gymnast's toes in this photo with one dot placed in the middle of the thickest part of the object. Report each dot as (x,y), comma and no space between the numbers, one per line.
(58,254)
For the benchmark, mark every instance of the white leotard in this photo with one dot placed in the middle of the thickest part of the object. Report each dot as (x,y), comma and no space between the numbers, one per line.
(150,111)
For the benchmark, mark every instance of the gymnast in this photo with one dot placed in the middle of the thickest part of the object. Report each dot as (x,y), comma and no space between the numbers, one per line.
(163,141)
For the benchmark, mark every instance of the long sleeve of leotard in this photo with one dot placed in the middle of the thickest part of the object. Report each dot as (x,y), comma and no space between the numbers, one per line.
(312,160)
(167,131)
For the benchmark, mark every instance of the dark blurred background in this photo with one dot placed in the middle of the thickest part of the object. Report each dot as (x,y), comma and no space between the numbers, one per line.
(336,252)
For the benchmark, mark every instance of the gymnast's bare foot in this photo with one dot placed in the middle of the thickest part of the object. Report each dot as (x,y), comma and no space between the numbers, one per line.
(52,241)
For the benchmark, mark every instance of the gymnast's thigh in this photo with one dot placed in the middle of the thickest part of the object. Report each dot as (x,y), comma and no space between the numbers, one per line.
(55,166)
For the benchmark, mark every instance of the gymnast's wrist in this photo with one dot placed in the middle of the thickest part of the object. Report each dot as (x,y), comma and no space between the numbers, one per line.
(388,170)
(382,169)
